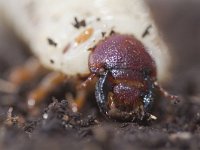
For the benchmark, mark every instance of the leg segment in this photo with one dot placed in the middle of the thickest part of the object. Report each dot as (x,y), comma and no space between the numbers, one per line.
(175,98)
(27,72)
(78,102)
(47,85)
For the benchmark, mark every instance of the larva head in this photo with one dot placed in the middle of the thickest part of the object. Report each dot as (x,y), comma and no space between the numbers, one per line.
(126,76)
(121,52)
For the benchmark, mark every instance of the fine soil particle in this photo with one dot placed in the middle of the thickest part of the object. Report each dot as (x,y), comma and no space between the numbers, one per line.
(53,125)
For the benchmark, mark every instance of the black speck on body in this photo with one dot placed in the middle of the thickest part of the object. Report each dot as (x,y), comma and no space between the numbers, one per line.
(98,19)
(103,34)
(78,23)
(146,32)
(112,32)
(51,42)
(52,61)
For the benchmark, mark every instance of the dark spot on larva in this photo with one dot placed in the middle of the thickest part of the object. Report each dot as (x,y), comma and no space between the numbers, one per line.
(51,42)
(91,49)
(98,19)
(103,34)
(146,32)
(79,24)
(112,32)
(52,61)
(66,48)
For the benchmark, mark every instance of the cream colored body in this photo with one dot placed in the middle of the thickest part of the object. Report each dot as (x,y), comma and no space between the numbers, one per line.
(37,20)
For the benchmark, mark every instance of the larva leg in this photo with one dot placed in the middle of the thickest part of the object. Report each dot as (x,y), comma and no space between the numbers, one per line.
(87,81)
(78,102)
(167,95)
(82,89)
(27,72)
(7,87)
(30,71)
(47,85)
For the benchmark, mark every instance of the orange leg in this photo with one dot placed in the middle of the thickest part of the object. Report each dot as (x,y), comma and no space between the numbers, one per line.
(83,88)
(27,72)
(175,98)
(47,85)
(21,75)
(7,87)
(78,102)
(32,69)
(87,81)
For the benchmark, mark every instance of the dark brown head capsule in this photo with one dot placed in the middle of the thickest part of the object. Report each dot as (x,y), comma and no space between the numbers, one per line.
(127,73)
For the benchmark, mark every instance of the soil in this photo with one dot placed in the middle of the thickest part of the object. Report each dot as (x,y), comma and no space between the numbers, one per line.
(56,127)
